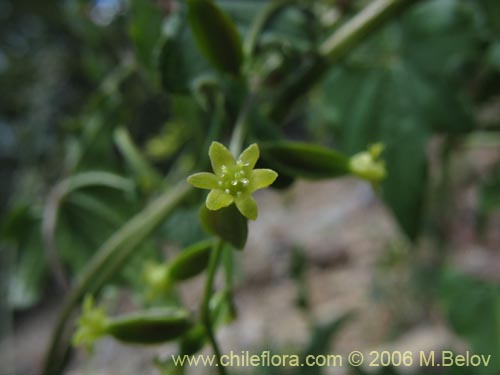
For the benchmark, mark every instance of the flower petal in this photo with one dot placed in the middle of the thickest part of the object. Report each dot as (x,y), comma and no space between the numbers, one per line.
(261,178)
(220,156)
(203,180)
(247,206)
(249,156)
(217,199)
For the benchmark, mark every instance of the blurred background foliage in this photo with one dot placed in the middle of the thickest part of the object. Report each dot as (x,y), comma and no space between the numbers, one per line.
(104,103)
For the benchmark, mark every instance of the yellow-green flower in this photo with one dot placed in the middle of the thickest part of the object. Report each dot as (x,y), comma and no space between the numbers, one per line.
(91,325)
(367,164)
(233,180)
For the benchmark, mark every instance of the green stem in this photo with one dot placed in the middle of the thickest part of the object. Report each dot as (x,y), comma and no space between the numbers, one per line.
(109,257)
(205,308)
(334,49)
(362,25)
(229,268)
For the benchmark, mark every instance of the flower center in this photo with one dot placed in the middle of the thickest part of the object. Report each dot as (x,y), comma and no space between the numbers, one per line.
(234,180)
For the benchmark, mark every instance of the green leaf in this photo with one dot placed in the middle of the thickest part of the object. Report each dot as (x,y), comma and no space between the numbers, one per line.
(145,31)
(150,327)
(216,36)
(397,105)
(403,189)
(473,310)
(226,223)
(180,63)
(305,160)
(191,261)
(441,30)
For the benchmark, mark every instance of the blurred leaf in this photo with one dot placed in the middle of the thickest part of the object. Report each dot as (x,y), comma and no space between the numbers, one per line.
(491,10)
(145,31)
(473,310)
(21,233)
(226,223)
(180,63)
(320,341)
(392,91)
(215,35)
(405,185)
(489,193)
(440,30)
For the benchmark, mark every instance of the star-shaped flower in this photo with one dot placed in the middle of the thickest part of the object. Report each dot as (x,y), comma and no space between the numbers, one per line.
(233,180)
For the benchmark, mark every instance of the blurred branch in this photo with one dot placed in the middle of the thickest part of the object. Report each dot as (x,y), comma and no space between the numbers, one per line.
(108,258)
(335,48)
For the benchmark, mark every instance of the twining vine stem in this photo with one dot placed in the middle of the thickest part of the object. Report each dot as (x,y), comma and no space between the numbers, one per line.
(213,264)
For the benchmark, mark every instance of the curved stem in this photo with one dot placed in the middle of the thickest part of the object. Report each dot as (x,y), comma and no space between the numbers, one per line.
(108,259)
(53,205)
(205,308)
